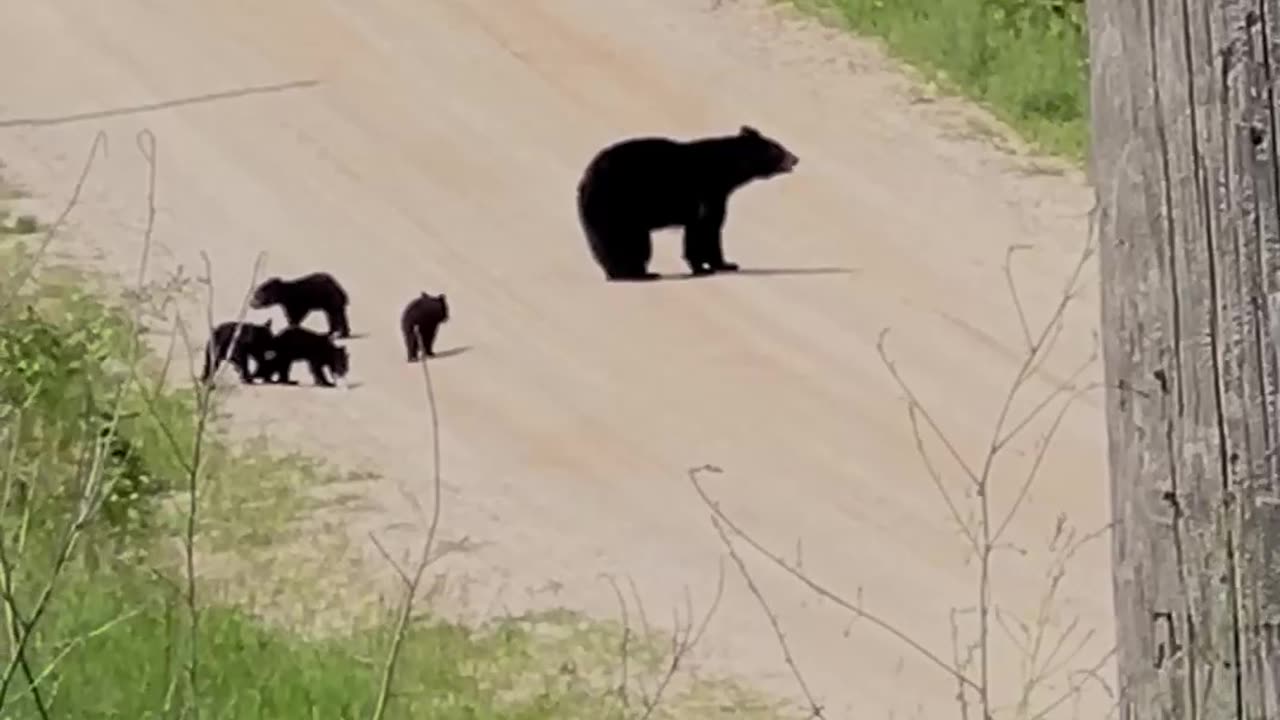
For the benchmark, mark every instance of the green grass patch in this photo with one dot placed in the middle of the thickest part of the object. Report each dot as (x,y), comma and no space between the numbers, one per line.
(1024,60)
(130,660)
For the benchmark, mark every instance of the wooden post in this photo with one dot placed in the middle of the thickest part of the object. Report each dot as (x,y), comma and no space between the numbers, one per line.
(1184,163)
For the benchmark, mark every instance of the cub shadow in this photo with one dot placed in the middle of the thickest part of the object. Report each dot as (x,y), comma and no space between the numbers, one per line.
(353,336)
(307,384)
(745,272)
(441,354)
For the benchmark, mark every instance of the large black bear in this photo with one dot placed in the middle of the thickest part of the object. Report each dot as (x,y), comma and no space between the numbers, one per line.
(420,321)
(636,186)
(317,350)
(253,341)
(299,296)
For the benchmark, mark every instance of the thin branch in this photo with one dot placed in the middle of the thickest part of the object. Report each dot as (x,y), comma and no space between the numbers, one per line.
(20,278)
(924,652)
(682,646)
(815,708)
(936,477)
(624,650)
(1042,450)
(402,623)
(1073,688)
(1013,291)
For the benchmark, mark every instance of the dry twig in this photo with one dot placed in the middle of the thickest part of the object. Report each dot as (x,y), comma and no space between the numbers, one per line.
(413,581)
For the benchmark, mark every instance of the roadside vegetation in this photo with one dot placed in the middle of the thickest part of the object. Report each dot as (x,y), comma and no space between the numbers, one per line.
(116,603)
(1024,60)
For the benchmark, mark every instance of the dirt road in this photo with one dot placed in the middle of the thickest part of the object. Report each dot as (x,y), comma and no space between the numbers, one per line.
(409,145)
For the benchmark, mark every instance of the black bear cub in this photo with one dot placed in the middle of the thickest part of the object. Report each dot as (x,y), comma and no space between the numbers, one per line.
(252,342)
(317,350)
(638,185)
(299,296)
(419,322)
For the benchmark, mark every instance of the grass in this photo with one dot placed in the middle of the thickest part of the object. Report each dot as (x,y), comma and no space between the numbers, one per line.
(1026,61)
(100,620)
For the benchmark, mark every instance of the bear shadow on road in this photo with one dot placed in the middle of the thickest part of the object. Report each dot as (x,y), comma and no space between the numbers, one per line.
(749,272)
(441,354)
(451,352)
(309,385)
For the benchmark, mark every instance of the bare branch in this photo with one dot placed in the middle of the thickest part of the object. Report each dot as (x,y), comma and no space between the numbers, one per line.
(813,585)
(21,277)
(682,645)
(424,560)
(815,708)
(1013,292)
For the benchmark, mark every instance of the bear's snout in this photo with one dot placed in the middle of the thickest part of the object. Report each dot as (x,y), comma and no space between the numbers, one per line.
(789,162)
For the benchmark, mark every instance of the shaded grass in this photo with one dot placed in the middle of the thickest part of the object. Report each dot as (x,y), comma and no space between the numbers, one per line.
(1024,60)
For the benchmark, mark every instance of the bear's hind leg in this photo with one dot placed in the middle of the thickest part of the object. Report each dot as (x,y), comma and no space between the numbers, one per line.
(411,343)
(632,251)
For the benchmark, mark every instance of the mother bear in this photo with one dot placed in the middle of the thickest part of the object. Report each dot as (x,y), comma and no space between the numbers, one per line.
(638,185)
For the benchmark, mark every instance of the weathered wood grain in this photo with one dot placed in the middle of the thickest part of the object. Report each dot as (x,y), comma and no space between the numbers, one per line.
(1185,166)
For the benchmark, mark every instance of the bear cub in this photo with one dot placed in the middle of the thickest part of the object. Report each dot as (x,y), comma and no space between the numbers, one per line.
(252,342)
(299,296)
(422,318)
(316,349)
(636,186)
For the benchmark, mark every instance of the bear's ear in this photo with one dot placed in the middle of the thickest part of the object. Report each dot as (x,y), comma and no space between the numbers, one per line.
(748,131)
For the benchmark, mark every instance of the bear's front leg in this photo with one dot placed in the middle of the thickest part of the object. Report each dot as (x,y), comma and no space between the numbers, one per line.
(693,255)
(702,240)
(715,238)
(429,342)
(317,373)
